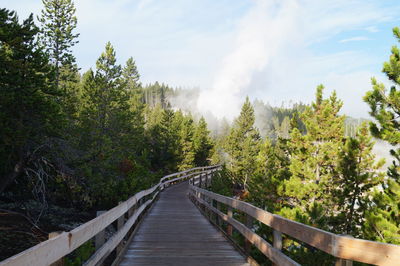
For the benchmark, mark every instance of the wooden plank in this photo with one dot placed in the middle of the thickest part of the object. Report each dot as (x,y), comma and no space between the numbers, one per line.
(175,233)
(112,243)
(367,251)
(275,255)
(229,229)
(83,233)
(61,261)
(100,237)
(277,238)
(120,225)
(339,246)
(313,236)
(247,243)
(198,169)
(44,253)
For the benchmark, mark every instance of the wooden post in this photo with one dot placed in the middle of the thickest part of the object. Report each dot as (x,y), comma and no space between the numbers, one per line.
(100,237)
(229,228)
(247,243)
(343,262)
(218,219)
(130,211)
(120,224)
(213,203)
(200,177)
(277,241)
(59,262)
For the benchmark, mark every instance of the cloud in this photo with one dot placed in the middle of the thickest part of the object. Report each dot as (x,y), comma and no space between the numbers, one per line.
(355,39)
(372,29)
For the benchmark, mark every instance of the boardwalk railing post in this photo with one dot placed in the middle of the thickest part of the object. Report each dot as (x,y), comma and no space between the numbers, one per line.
(215,216)
(100,237)
(200,178)
(247,243)
(218,219)
(59,262)
(120,224)
(277,241)
(343,262)
(229,227)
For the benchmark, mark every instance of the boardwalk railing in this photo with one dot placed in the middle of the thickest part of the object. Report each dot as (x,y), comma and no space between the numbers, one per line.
(345,249)
(125,216)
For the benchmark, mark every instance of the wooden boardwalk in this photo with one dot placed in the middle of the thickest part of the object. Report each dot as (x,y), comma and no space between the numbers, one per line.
(174,232)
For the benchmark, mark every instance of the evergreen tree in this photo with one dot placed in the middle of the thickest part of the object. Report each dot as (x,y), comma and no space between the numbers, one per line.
(58,22)
(359,174)
(163,128)
(314,162)
(272,163)
(29,113)
(131,84)
(111,133)
(385,108)
(187,149)
(202,143)
(243,144)
(131,75)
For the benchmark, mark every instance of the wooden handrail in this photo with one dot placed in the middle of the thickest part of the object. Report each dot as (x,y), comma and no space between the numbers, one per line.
(56,248)
(341,247)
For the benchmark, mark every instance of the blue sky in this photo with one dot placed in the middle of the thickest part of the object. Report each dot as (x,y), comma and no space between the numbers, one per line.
(276,50)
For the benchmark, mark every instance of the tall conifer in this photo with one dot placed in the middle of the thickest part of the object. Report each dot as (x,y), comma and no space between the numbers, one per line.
(243,144)
(314,160)
(58,22)
(384,223)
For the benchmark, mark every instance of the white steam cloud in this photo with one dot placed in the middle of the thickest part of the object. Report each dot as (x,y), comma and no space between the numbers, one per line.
(261,33)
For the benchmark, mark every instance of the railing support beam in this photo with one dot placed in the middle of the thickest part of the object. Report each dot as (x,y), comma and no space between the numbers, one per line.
(247,243)
(277,241)
(100,236)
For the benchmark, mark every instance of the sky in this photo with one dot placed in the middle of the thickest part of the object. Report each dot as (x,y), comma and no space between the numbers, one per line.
(274,50)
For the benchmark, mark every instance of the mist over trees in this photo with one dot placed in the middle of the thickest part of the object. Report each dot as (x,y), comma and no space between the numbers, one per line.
(76,141)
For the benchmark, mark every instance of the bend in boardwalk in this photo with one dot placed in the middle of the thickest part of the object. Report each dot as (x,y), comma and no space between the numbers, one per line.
(174,232)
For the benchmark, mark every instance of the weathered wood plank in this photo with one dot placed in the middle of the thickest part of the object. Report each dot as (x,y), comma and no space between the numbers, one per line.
(112,243)
(44,253)
(338,246)
(174,232)
(367,251)
(275,255)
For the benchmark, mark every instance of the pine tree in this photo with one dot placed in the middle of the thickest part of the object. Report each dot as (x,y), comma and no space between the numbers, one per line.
(187,149)
(131,75)
(108,126)
(163,127)
(29,113)
(314,161)
(272,163)
(131,84)
(243,144)
(359,174)
(58,22)
(202,143)
(385,108)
